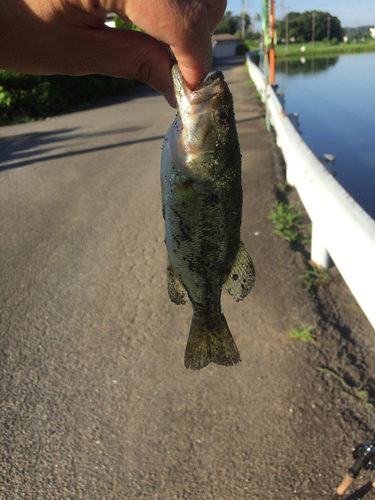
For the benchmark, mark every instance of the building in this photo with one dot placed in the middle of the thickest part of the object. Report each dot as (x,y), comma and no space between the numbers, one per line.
(225,45)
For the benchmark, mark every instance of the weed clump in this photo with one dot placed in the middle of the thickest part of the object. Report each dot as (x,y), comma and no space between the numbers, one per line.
(318,278)
(353,393)
(304,333)
(287,220)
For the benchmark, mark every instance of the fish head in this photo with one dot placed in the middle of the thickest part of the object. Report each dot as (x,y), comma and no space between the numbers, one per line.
(207,140)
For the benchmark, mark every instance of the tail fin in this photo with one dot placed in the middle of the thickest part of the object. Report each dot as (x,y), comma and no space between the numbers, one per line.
(210,343)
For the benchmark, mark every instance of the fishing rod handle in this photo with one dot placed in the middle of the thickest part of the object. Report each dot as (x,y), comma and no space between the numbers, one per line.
(346,482)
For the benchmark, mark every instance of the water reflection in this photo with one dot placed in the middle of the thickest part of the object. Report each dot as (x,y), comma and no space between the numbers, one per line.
(313,65)
(329,162)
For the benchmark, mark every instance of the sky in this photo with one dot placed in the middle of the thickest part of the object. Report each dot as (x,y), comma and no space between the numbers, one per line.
(352,13)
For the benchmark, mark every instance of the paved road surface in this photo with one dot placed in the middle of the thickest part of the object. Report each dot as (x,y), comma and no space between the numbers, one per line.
(96,402)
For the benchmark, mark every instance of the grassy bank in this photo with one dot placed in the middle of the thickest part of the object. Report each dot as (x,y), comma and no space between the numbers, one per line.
(322,49)
(26,98)
(319,49)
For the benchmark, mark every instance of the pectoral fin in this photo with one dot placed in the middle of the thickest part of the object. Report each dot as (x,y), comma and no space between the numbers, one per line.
(175,288)
(241,278)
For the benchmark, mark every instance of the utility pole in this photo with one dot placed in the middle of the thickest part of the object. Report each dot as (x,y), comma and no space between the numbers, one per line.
(286,30)
(313,29)
(272,48)
(284,16)
(243,19)
(328,28)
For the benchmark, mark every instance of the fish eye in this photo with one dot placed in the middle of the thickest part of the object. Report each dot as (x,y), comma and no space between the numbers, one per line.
(222,115)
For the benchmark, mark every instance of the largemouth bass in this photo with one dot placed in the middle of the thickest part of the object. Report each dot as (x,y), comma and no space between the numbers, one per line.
(202,208)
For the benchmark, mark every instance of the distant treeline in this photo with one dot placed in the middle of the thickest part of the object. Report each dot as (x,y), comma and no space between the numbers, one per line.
(361,31)
(300,26)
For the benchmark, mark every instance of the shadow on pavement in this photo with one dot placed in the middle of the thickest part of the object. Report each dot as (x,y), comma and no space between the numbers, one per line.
(26,149)
(141,91)
(33,147)
(225,63)
(251,119)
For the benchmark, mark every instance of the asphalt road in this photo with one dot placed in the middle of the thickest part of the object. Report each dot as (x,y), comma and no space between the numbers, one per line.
(95,400)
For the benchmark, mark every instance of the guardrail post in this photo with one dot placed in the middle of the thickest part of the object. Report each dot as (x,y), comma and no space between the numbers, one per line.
(268,116)
(289,175)
(319,253)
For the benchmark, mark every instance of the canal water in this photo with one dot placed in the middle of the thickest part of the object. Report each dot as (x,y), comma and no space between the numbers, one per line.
(335,102)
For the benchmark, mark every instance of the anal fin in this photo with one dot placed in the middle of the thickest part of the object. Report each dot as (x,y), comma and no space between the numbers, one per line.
(241,278)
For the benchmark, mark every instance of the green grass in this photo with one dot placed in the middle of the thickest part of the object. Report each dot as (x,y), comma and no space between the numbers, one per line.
(322,49)
(316,277)
(319,49)
(252,45)
(353,393)
(287,220)
(30,97)
(304,333)
(280,188)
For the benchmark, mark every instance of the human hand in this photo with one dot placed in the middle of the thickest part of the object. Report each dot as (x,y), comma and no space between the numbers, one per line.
(69,37)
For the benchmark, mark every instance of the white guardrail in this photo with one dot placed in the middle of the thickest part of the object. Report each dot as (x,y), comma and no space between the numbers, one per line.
(341,229)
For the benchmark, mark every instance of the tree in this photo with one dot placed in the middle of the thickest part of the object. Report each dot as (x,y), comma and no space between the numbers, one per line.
(231,24)
(258,19)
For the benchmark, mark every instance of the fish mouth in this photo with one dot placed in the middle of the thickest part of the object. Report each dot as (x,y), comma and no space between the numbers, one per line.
(203,92)
(198,126)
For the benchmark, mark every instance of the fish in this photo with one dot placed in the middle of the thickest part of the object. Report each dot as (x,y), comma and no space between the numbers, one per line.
(202,209)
